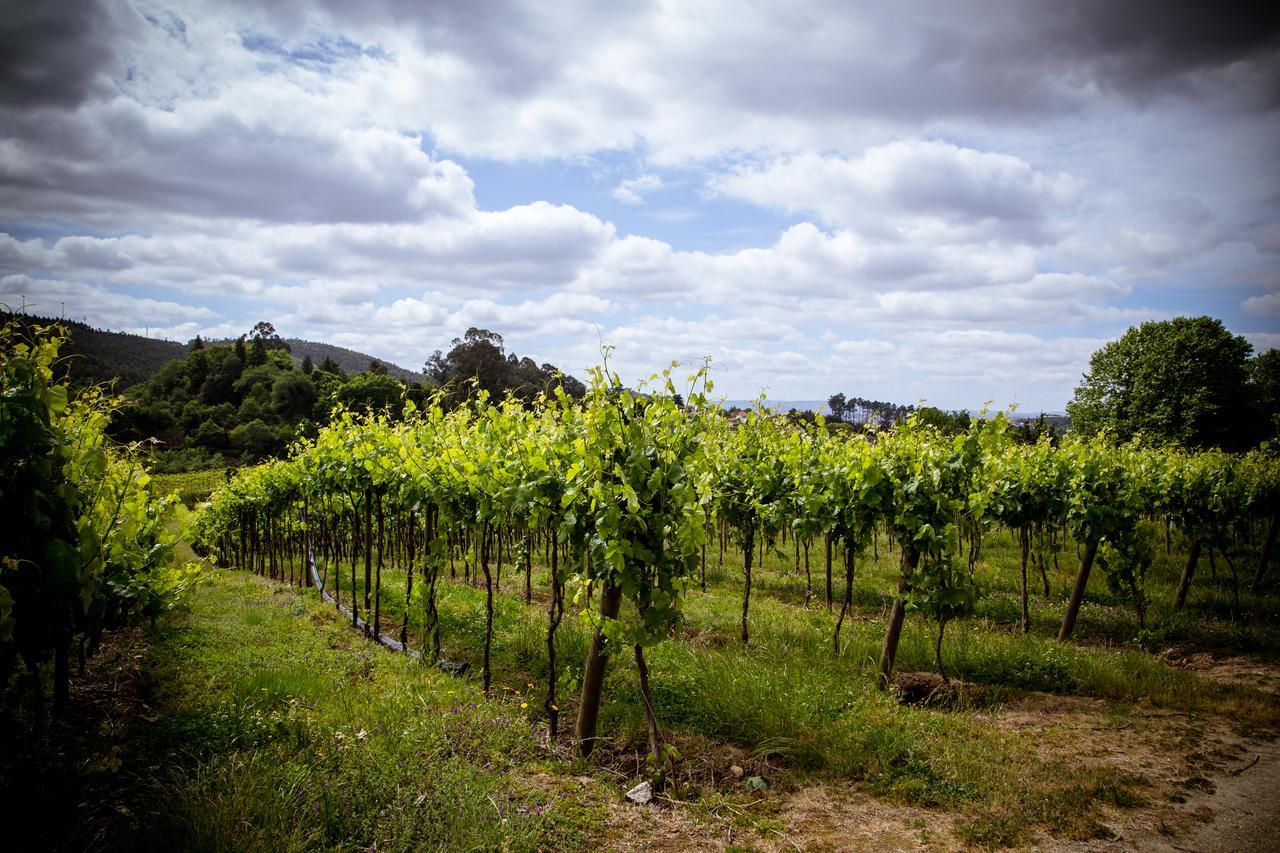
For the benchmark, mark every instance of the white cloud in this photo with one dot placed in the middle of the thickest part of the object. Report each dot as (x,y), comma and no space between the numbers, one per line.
(53,298)
(632,190)
(956,179)
(1263,341)
(913,190)
(513,249)
(1267,305)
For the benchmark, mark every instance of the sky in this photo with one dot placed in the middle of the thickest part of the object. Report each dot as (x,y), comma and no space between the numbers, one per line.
(954,202)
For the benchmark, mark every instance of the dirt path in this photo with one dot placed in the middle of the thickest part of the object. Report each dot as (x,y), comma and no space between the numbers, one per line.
(1208,788)
(1246,809)
(1213,788)
(1236,808)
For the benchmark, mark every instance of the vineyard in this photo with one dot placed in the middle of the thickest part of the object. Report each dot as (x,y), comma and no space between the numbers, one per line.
(535,544)
(578,596)
(88,537)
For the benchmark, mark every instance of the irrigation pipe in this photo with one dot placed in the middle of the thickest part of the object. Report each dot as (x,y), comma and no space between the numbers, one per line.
(384,639)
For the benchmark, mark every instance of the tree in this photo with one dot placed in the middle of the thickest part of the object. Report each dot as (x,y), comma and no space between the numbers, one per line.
(479,362)
(1182,381)
(257,353)
(331,366)
(1265,375)
(307,365)
(371,392)
(477,356)
(437,367)
(837,405)
(293,396)
(947,423)
(255,440)
(266,333)
(210,435)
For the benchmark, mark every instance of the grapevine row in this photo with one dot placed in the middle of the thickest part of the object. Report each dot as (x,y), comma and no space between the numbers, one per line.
(87,540)
(623,491)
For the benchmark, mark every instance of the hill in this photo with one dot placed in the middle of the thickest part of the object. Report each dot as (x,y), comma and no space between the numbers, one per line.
(100,355)
(349,360)
(97,355)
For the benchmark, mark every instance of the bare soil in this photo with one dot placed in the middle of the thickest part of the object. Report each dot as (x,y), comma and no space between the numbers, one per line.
(1209,786)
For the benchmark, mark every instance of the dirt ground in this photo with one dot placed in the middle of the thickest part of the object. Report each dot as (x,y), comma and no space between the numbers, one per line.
(1218,789)
(1211,787)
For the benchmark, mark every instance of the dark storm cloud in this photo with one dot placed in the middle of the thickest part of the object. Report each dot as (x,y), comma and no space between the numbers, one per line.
(992,57)
(124,161)
(1147,48)
(1140,42)
(52,52)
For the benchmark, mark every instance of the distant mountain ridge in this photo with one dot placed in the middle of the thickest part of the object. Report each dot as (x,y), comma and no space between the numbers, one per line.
(349,360)
(94,356)
(100,355)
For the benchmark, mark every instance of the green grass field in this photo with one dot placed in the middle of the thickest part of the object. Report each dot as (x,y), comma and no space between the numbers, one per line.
(271,725)
(787,702)
(191,487)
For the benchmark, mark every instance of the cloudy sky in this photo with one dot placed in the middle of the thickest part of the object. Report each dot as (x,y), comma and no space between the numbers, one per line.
(955,201)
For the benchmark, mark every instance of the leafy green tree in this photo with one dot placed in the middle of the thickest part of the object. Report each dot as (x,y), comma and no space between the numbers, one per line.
(225,368)
(370,392)
(476,359)
(293,396)
(197,369)
(210,435)
(255,440)
(837,405)
(1265,375)
(1182,381)
(194,413)
(257,353)
(947,423)
(256,382)
(265,334)
(478,362)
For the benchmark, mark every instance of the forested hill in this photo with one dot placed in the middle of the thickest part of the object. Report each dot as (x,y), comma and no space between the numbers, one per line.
(95,355)
(349,360)
(98,355)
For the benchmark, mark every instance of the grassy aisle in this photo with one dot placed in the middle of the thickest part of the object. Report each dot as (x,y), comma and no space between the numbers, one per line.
(258,720)
(283,730)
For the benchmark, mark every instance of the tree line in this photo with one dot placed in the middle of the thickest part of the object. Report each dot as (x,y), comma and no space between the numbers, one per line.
(245,401)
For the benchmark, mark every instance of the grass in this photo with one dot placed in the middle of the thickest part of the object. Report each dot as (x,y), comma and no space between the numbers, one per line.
(191,487)
(283,731)
(790,639)
(786,701)
(275,726)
